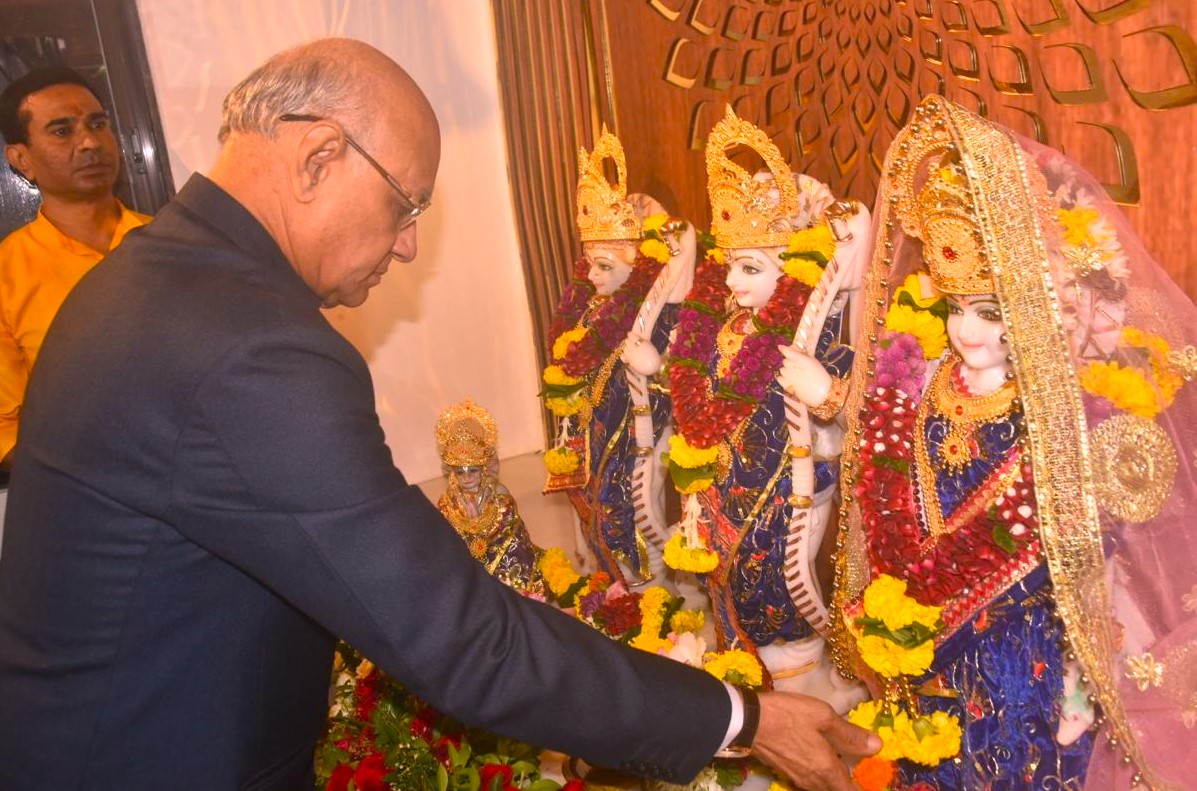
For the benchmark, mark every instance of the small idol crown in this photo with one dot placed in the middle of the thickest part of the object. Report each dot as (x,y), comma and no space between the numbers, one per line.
(745,211)
(604,213)
(947,224)
(466,435)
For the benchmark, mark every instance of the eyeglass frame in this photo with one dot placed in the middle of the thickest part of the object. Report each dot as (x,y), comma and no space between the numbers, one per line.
(417,207)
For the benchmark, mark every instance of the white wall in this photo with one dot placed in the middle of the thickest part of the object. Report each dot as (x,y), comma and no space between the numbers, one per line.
(455,322)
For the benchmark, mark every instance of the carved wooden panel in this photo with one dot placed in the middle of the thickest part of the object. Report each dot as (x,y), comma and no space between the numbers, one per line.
(1113,83)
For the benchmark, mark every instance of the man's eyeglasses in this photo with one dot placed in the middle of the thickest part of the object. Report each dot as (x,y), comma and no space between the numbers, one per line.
(416,207)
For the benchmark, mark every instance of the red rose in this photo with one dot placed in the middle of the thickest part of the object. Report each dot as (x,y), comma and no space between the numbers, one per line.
(489,773)
(620,615)
(574,785)
(370,774)
(339,781)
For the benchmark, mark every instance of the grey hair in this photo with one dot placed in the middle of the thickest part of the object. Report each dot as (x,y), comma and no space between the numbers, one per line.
(290,82)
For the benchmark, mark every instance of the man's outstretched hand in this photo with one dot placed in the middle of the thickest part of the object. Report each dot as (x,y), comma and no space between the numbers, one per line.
(804,739)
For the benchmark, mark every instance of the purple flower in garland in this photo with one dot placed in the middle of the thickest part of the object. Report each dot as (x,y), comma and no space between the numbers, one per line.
(900,364)
(589,604)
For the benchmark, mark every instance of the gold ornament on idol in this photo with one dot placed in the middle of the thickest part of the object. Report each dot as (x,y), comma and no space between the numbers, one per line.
(743,212)
(466,435)
(947,224)
(604,213)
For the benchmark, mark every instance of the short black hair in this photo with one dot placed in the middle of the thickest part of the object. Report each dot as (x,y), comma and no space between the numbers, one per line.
(13,126)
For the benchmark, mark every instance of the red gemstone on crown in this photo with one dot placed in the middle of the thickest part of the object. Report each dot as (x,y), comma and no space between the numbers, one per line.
(725,214)
(949,253)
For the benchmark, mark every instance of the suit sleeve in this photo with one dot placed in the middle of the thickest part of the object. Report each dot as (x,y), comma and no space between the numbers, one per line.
(283,471)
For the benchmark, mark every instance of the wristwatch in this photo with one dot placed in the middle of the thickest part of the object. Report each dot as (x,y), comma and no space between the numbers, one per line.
(741,745)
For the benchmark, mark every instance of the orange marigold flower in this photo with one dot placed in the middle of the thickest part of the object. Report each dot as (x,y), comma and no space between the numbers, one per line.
(874,774)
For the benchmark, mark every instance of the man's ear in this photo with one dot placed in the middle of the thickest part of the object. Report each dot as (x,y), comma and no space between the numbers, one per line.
(315,150)
(17,155)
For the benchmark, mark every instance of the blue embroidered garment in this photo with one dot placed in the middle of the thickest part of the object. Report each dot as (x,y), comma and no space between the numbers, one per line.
(1008,668)
(612,534)
(753,602)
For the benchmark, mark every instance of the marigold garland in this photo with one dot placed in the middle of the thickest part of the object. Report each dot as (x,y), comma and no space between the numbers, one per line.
(561,461)
(1140,390)
(874,774)
(683,557)
(706,416)
(736,667)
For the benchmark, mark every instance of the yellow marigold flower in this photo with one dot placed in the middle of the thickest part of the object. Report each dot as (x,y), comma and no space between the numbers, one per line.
(718,256)
(818,240)
(364,669)
(556,375)
(561,461)
(885,598)
(735,667)
(654,222)
(928,330)
(687,621)
(1077,224)
(697,485)
(891,660)
(565,339)
(895,739)
(650,643)
(654,601)
(683,454)
(804,270)
(571,405)
(1125,388)
(940,740)
(913,285)
(655,249)
(678,556)
(778,785)
(557,571)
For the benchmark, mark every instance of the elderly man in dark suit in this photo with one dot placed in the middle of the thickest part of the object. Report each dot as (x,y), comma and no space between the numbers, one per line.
(204,498)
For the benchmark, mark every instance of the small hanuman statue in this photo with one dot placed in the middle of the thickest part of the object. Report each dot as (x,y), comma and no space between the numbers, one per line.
(479,507)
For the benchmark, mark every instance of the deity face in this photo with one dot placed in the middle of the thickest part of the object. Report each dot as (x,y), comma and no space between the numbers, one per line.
(752,276)
(975,330)
(610,264)
(469,477)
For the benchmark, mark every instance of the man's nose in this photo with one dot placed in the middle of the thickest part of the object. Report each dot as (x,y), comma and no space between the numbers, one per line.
(404,248)
(88,138)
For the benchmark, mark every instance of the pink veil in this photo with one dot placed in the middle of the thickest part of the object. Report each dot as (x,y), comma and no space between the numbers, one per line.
(1104,347)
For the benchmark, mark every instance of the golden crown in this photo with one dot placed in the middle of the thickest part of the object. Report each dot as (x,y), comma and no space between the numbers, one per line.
(747,212)
(947,224)
(466,435)
(604,213)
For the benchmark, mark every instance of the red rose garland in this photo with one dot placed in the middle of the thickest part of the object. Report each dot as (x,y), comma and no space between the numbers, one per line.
(937,570)
(611,321)
(705,417)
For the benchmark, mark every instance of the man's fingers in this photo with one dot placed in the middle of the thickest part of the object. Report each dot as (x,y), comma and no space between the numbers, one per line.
(848,739)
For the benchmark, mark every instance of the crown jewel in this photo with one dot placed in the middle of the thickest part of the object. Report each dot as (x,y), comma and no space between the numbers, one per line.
(745,211)
(604,213)
(466,435)
(948,227)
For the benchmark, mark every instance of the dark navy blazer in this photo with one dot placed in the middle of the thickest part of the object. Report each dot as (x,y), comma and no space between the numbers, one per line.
(203,498)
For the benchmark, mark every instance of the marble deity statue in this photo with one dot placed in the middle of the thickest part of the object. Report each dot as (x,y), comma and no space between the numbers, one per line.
(478,506)
(635,265)
(1018,415)
(759,481)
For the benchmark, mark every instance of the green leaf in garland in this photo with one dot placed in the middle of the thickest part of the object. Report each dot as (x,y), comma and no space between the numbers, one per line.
(1002,537)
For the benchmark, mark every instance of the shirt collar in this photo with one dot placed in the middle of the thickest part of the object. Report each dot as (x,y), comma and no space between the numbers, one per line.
(47,233)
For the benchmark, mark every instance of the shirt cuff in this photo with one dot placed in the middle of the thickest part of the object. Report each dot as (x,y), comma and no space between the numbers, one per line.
(737,716)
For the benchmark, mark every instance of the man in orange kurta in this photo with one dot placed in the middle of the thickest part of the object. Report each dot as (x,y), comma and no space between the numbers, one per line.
(59,138)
